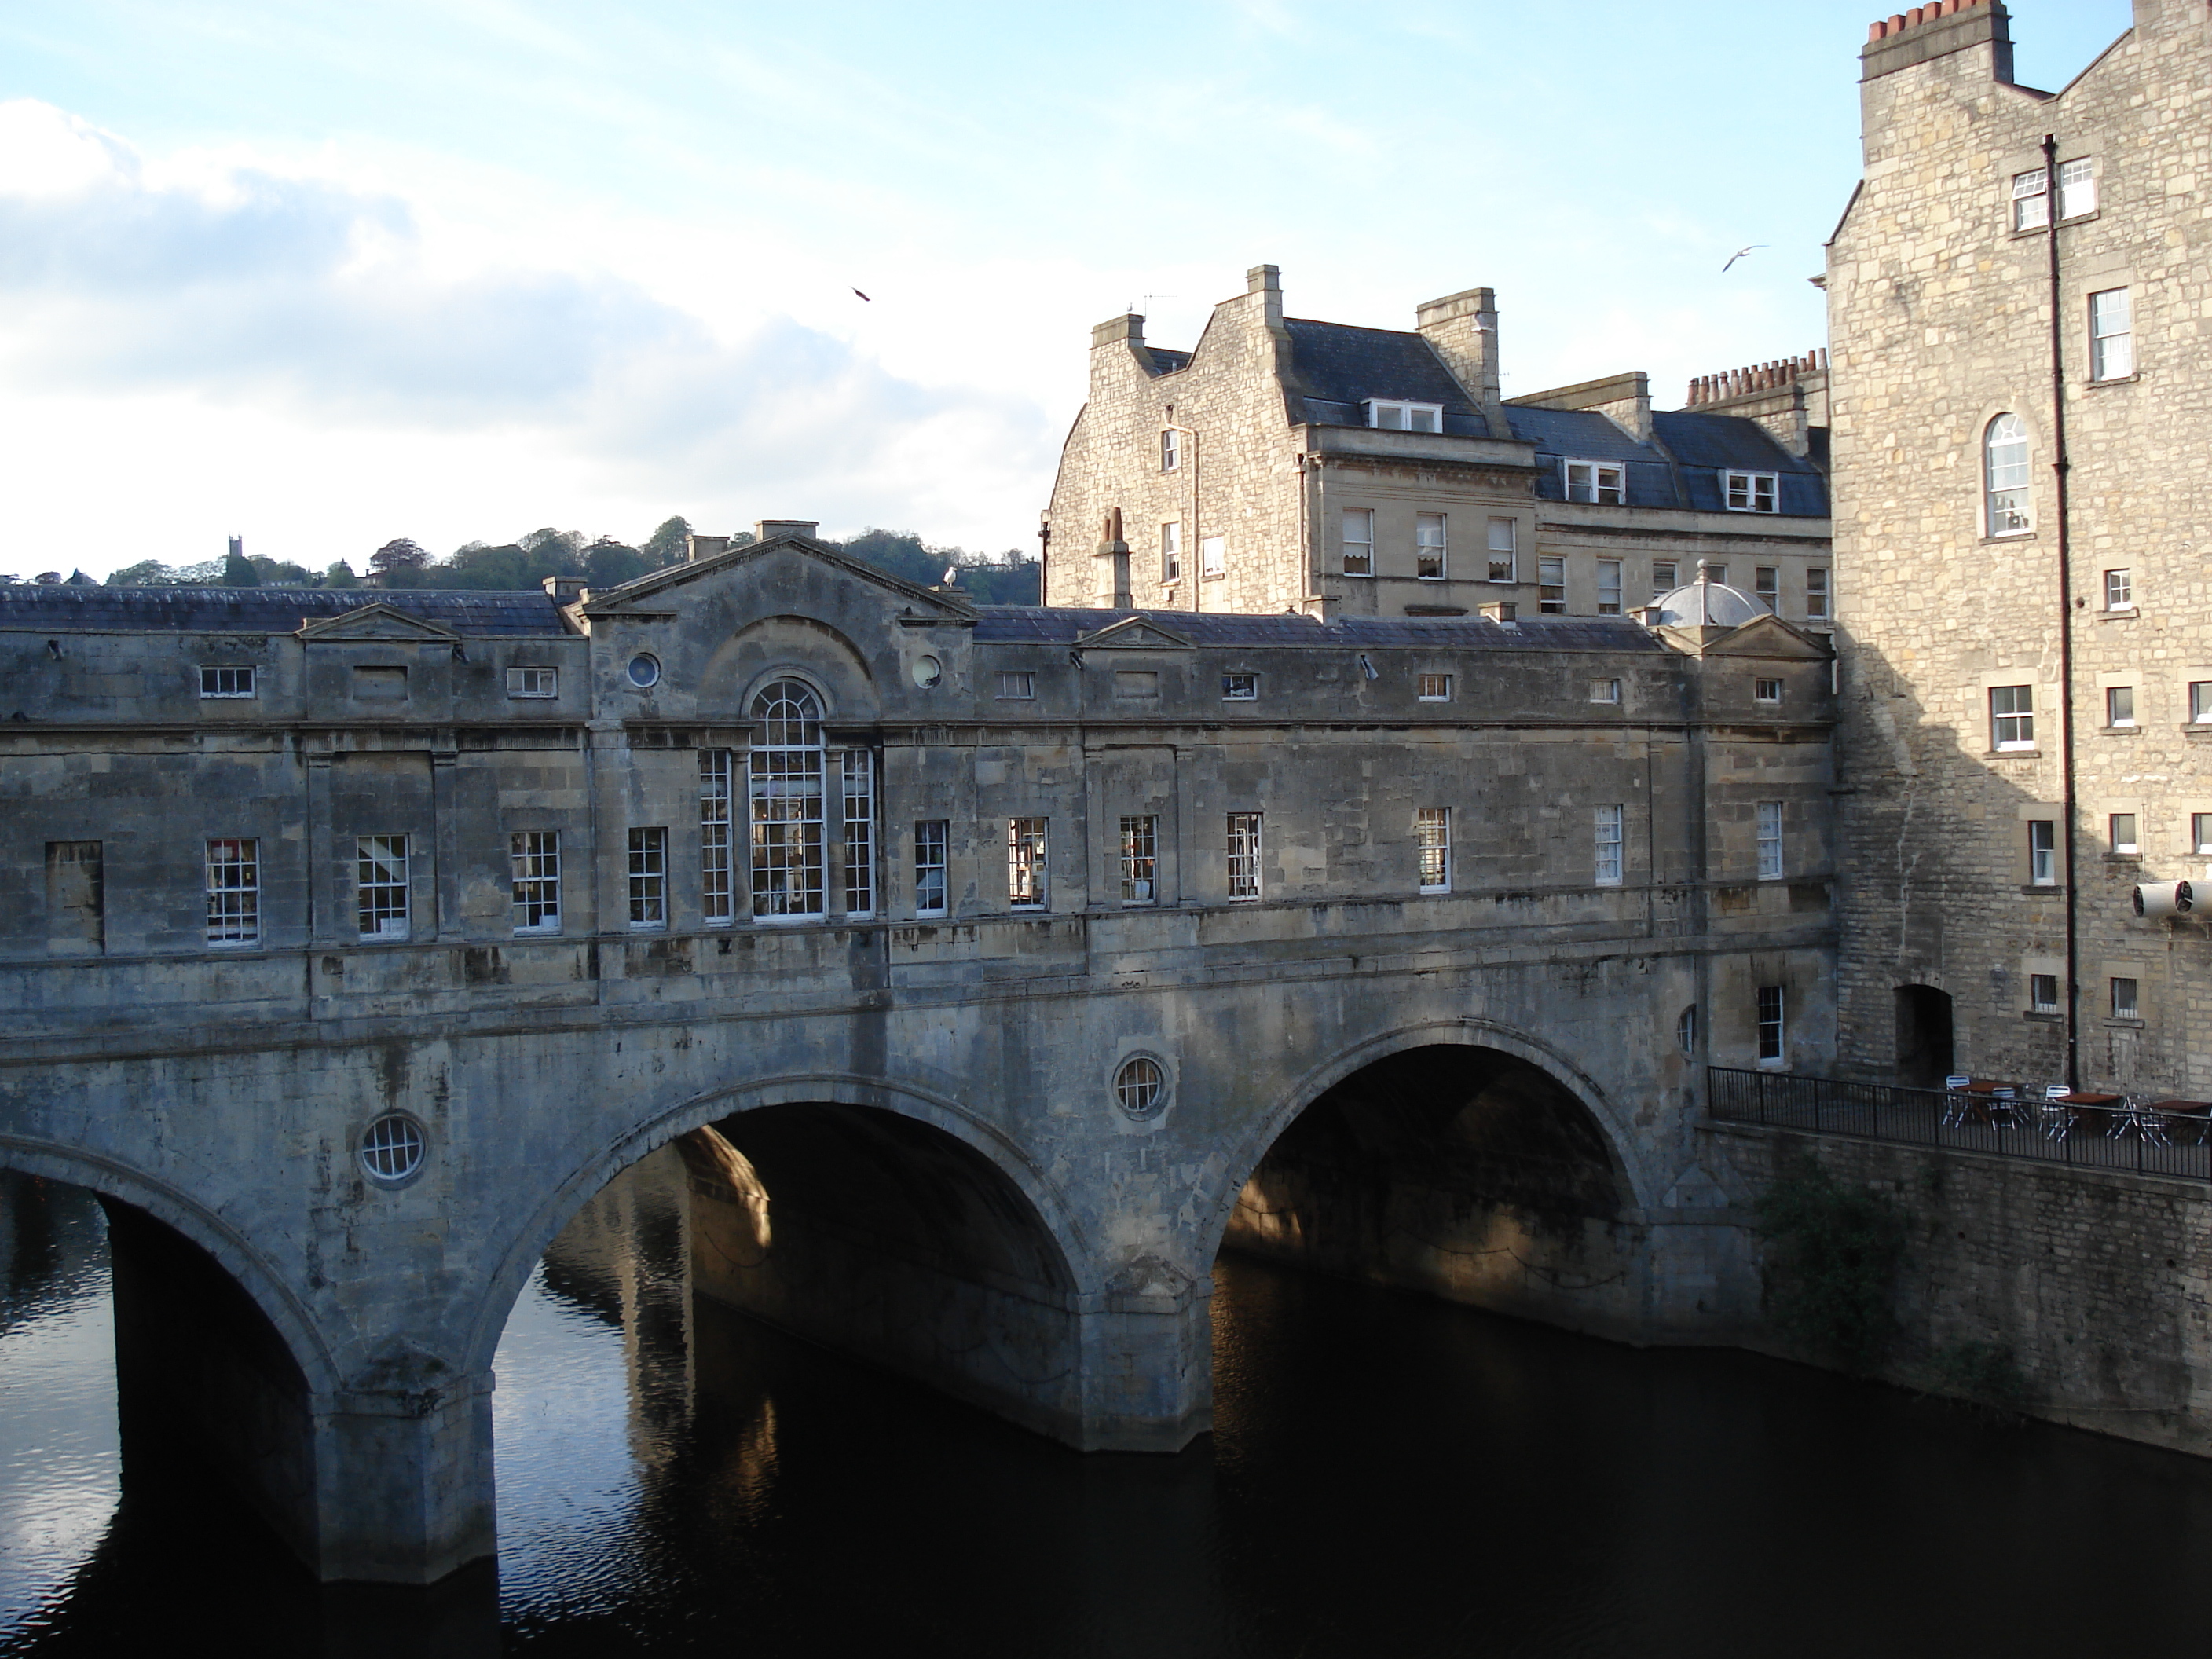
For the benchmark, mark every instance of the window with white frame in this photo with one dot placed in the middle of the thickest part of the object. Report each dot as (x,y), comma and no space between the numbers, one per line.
(2200,833)
(1393,415)
(1017,687)
(932,839)
(1771,1022)
(2004,469)
(2119,590)
(1240,688)
(1716,574)
(1432,841)
(1429,546)
(2043,852)
(1763,691)
(1552,586)
(1359,541)
(784,788)
(1026,863)
(1243,849)
(1501,549)
(1664,578)
(1770,841)
(1432,687)
(1602,482)
(224,680)
(1751,492)
(380,885)
(1171,551)
(1605,691)
(234,891)
(1766,586)
(717,879)
(2120,834)
(1816,595)
(2200,703)
(649,877)
(533,683)
(2112,336)
(1607,821)
(860,803)
(2031,199)
(1214,555)
(2012,717)
(1608,587)
(534,861)
(1170,449)
(2127,999)
(1140,851)
(2043,994)
(2119,705)
(2077,188)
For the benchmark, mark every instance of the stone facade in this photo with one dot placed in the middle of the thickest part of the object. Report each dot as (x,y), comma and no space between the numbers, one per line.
(1950,535)
(1261,472)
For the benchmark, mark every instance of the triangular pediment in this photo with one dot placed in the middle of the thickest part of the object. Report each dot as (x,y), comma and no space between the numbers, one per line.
(659,593)
(1133,634)
(1770,636)
(378,622)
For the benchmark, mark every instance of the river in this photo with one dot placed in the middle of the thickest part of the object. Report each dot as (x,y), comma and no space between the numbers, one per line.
(1389,1477)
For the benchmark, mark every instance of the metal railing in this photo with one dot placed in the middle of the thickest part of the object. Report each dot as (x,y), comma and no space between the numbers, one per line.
(2126,1137)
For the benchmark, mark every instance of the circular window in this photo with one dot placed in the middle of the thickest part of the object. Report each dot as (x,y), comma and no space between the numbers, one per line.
(644,671)
(1140,1087)
(393,1149)
(927,670)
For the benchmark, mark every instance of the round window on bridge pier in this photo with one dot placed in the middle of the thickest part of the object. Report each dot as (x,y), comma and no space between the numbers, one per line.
(1141,1086)
(393,1148)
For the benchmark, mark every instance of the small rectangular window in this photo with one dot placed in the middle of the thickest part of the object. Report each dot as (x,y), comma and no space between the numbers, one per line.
(1766,586)
(1716,574)
(1601,481)
(234,892)
(1140,839)
(1240,688)
(1170,449)
(2200,703)
(1751,492)
(1433,687)
(1170,552)
(380,885)
(1026,863)
(1394,416)
(1608,587)
(1429,547)
(1608,820)
(2077,188)
(1214,555)
(1244,847)
(1359,541)
(1663,578)
(1770,841)
(2043,994)
(2119,590)
(1604,691)
(649,877)
(534,860)
(931,836)
(1432,838)
(1017,687)
(2012,717)
(1766,691)
(860,779)
(2200,832)
(2120,833)
(1770,1021)
(1552,586)
(2119,705)
(2030,200)
(1816,595)
(2112,336)
(226,681)
(717,871)
(1501,549)
(2127,1002)
(533,683)
(2043,852)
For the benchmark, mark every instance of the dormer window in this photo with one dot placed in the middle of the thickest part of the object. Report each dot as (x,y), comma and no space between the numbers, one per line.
(1393,417)
(1602,482)
(1751,492)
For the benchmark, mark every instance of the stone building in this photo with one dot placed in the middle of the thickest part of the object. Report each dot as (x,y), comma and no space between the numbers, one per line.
(2017,305)
(1288,464)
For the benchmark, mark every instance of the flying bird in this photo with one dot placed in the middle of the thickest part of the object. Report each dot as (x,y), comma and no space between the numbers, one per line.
(1732,257)
(864,296)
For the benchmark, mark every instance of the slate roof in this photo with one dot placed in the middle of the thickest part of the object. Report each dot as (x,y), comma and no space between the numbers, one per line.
(1337,366)
(62,609)
(1038,625)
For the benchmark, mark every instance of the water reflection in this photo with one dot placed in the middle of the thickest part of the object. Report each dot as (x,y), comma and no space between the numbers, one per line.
(1389,1477)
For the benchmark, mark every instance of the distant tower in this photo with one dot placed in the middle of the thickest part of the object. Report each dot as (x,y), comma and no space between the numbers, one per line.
(238,547)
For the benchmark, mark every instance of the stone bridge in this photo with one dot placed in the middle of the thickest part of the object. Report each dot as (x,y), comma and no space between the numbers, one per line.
(993,971)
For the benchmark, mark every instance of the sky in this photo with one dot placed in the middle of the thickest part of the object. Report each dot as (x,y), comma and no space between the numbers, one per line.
(322,275)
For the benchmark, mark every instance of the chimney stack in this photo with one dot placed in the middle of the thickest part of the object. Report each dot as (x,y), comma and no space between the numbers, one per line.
(1266,280)
(1463,329)
(769,530)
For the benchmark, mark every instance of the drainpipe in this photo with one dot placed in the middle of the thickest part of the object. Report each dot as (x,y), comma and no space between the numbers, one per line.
(2060,467)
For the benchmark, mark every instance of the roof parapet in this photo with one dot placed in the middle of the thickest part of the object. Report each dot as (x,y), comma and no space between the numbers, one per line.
(1937,30)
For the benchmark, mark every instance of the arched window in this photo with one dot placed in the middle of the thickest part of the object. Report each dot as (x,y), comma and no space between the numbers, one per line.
(2004,472)
(786,788)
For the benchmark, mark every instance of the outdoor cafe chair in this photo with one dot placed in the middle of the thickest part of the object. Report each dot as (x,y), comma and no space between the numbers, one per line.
(2054,1113)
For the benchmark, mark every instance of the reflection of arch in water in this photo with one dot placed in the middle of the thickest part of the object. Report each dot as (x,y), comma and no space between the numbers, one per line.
(1458,1159)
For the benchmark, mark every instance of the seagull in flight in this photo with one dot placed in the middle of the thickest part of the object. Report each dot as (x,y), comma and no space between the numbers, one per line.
(864,296)
(1732,257)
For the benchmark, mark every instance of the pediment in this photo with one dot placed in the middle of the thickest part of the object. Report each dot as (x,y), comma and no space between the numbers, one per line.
(654,595)
(379,622)
(1133,634)
(1772,637)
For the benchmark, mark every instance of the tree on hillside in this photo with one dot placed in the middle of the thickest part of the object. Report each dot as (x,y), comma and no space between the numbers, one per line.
(238,571)
(147,573)
(607,562)
(340,575)
(397,556)
(665,546)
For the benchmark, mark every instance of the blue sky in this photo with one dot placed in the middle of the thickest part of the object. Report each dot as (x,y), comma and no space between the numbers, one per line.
(324,274)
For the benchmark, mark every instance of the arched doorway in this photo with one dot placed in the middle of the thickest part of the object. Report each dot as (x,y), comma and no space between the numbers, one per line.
(1925,1047)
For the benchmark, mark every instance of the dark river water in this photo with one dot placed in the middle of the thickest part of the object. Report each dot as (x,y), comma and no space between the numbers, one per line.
(1389,1477)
